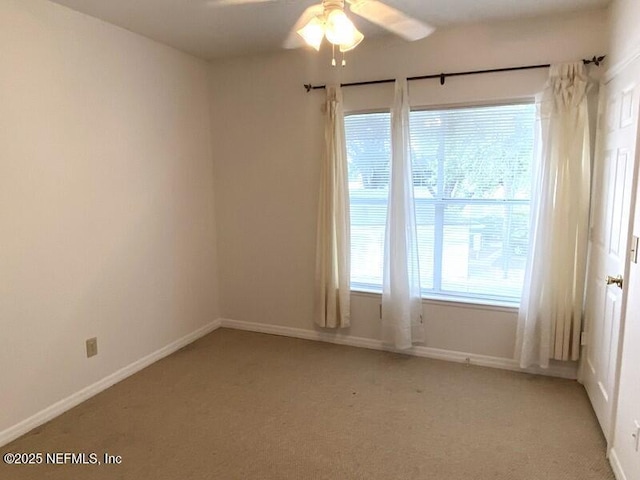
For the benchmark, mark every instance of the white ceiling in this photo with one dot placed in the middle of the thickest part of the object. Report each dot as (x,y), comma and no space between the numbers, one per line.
(209,31)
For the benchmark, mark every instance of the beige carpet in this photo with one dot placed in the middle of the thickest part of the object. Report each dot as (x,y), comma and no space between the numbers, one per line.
(239,405)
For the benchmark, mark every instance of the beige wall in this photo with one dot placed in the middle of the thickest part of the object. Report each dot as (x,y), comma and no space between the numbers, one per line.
(625,34)
(268,136)
(106,202)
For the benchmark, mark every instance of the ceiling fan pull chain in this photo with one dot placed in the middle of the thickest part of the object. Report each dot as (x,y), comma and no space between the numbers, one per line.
(333,55)
(344,62)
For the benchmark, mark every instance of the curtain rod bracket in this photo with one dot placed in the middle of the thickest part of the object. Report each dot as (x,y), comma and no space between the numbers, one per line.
(442,78)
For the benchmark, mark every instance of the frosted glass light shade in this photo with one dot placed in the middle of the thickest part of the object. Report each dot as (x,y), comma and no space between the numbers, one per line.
(313,32)
(357,38)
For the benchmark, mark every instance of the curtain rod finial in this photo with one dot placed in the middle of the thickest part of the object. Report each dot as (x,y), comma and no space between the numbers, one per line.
(595,60)
(308,87)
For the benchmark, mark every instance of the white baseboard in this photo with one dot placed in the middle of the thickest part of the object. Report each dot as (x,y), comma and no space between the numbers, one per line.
(615,465)
(569,372)
(71,401)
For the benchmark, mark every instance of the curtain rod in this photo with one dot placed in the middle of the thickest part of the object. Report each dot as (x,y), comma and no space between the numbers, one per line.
(442,76)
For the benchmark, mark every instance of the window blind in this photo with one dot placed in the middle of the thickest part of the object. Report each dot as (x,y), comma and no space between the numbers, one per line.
(368,139)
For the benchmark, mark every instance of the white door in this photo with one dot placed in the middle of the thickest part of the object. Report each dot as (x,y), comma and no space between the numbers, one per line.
(610,216)
(625,453)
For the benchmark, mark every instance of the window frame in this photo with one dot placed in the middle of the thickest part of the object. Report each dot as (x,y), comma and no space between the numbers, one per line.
(433,295)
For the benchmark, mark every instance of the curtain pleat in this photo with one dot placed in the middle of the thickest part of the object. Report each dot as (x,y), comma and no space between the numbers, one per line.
(401,297)
(550,316)
(332,302)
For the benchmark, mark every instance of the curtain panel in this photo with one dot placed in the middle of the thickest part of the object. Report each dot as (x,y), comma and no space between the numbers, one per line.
(550,316)
(401,297)
(332,290)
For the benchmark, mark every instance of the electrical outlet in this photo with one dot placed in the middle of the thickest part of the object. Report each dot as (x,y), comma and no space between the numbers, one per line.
(92,347)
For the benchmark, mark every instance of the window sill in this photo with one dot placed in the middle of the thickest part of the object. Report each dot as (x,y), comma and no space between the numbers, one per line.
(460,302)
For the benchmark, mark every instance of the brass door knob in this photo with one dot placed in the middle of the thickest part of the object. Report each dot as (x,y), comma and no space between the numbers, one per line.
(614,280)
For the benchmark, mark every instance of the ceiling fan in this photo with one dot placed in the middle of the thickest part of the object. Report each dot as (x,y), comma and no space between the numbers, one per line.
(328,20)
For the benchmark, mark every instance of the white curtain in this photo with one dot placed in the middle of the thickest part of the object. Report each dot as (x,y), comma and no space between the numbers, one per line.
(550,316)
(332,302)
(401,301)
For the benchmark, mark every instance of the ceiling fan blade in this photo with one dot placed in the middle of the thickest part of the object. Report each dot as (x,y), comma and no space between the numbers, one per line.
(294,40)
(391,19)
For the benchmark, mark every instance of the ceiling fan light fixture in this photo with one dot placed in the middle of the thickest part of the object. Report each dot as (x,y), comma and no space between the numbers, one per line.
(313,32)
(339,30)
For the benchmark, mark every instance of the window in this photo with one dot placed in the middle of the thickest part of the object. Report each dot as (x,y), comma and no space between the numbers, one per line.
(471,170)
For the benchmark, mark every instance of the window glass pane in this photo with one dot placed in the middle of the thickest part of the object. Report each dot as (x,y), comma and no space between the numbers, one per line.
(474,165)
(486,151)
(425,225)
(484,251)
(368,139)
